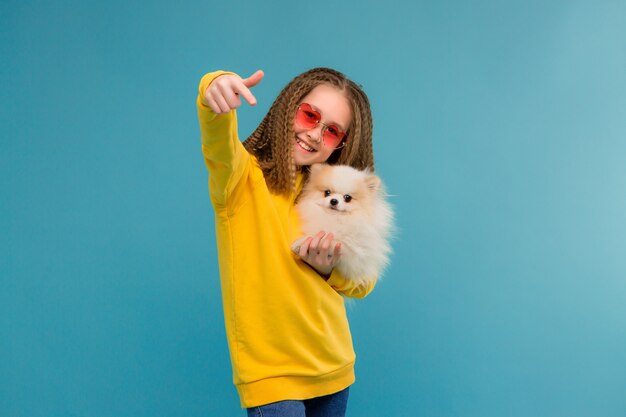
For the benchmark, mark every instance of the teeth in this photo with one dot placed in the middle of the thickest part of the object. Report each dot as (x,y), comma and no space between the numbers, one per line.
(304,145)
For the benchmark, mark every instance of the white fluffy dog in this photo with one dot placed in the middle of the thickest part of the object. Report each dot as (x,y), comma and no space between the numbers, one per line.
(351,205)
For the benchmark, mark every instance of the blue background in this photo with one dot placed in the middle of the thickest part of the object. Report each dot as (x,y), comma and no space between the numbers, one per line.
(500,128)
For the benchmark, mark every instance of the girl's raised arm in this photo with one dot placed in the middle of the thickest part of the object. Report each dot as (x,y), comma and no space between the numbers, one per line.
(224,155)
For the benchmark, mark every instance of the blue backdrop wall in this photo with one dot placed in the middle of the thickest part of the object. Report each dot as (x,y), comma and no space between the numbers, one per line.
(500,128)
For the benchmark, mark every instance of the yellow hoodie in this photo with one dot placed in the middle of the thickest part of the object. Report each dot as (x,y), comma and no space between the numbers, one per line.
(287,329)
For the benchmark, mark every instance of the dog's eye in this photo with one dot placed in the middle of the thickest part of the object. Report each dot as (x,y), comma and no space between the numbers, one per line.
(326,193)
(347,198)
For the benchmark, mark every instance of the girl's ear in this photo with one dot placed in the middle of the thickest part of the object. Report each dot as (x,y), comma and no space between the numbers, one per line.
(373,182)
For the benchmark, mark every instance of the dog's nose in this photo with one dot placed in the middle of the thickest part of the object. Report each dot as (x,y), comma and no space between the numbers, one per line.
(334,202)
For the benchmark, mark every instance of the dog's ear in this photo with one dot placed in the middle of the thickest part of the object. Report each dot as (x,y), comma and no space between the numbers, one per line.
(373,183)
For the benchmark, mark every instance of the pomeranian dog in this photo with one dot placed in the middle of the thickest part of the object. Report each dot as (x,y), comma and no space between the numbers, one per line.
(351,205)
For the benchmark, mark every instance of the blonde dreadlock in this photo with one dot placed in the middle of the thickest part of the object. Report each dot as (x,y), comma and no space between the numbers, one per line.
(272,142)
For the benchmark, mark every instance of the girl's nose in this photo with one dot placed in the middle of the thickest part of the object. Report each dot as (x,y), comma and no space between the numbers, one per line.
(315,133)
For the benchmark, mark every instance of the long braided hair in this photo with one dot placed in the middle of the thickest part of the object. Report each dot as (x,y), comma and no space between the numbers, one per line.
(272,142)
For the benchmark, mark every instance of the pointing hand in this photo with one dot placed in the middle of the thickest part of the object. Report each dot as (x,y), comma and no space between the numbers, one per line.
(223,93)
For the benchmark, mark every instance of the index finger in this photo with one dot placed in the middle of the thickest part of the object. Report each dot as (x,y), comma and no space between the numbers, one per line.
(245,92)
(337,251)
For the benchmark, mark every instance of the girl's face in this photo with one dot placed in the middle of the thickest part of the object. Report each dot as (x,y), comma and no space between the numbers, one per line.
(333,106)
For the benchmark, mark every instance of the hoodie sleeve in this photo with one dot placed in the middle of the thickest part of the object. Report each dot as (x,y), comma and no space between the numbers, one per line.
(224,155)
(350,288)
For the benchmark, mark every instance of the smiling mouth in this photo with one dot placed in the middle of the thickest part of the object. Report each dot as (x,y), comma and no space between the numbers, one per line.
(304,146)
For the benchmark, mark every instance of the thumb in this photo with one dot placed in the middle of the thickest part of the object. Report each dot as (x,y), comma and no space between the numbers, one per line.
(254,79)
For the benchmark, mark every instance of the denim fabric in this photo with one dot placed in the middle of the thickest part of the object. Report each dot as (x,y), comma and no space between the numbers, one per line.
(333,405)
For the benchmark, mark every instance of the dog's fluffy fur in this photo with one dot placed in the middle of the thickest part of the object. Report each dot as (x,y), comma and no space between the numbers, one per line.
(351,205)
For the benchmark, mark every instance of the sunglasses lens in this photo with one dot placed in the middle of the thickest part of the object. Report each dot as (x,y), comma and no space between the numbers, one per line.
(333,136)
(306,117)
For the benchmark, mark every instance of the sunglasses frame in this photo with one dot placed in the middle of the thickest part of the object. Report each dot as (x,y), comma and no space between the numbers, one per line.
(342,142)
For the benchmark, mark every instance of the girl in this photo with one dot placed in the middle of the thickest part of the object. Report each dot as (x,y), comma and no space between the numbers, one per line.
(286,324)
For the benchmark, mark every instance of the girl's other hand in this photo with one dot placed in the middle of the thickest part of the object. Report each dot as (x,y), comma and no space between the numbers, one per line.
(321,253)
(223,93)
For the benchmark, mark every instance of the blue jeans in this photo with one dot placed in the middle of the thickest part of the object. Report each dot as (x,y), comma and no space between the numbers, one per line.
(333,405)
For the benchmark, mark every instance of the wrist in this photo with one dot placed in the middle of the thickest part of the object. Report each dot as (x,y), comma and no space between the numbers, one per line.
(325,273)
